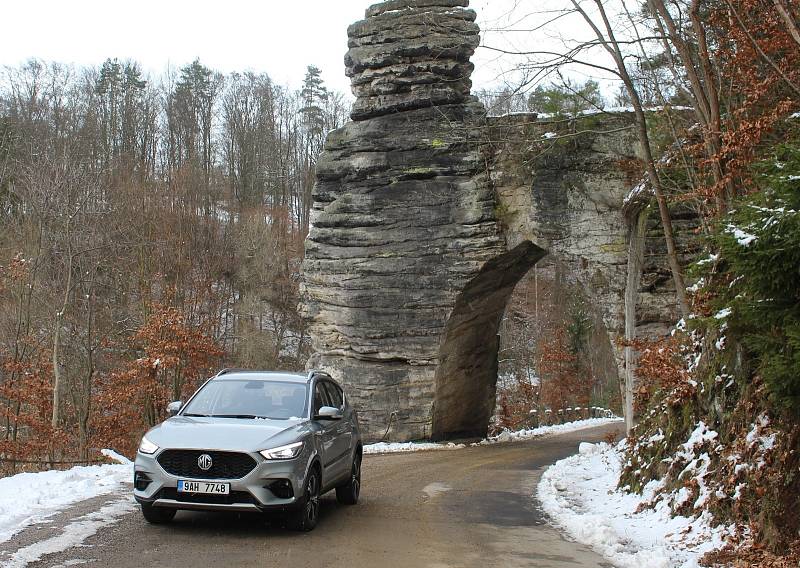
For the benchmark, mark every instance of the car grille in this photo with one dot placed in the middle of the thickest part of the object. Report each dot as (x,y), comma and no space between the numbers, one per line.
(226,465)
(234,498)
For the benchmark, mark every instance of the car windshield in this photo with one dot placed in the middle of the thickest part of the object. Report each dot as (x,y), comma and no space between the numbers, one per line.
(234,398)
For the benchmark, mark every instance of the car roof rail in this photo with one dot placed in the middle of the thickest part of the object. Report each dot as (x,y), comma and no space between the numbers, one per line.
(314,372)
(229,370)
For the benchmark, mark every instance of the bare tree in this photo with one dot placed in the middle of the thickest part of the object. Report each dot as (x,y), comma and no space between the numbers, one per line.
(608,40)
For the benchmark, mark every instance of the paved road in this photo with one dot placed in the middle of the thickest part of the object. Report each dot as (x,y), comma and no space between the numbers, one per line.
(447,509)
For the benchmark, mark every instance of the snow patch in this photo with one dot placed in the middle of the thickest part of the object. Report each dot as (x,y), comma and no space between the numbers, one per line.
(724,313)
(698,437)
(119,458)
(74,534)
(515,436)
(403,447)
(580,495)
(712,258)
(744,238)
(592,111)
(29,498)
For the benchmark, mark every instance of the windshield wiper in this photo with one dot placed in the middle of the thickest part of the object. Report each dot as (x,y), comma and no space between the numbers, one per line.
(243,416)
(197,415)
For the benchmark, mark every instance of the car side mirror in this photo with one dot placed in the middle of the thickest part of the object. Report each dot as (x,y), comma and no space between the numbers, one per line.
(174,407)
(328,413)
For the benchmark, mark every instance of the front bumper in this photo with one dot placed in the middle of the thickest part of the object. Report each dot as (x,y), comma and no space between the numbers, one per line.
(250,493)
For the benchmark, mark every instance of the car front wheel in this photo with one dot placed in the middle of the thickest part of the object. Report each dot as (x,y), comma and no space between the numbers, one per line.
(157,515)
(307,516)
(348,493)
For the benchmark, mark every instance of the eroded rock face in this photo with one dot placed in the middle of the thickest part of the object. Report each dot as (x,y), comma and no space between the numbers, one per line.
(561,184)
(403,222)
(426,215)
(411,54)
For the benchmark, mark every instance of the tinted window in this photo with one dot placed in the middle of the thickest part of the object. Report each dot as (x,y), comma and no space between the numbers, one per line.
(334,394)
(254,398)
(320,397)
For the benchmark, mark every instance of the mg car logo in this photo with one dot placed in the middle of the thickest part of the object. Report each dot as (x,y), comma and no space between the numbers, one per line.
(204,462)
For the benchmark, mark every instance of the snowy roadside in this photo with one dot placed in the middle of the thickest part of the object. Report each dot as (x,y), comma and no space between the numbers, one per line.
(30,498)
(74,533)
(506,436)
(519,435)
(580,495)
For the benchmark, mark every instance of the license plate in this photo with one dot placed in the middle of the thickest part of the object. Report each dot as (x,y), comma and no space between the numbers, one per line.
(207,487)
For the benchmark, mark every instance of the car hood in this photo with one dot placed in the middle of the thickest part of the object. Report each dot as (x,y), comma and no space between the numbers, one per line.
(241,435)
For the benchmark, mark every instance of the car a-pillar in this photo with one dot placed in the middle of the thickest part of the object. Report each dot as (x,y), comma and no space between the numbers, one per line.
(466,374)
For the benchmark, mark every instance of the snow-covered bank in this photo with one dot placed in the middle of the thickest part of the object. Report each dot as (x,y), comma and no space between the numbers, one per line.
(515,436)
(580,495)
(506,436)
(29,498)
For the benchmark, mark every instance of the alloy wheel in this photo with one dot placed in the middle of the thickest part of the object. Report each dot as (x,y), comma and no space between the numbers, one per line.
(312,505)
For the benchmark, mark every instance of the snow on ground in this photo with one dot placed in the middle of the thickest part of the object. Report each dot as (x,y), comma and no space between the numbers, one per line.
(506,436)
(402,447)
(28,498)
(591,112)
(74,534)
(581,497)
(515,436)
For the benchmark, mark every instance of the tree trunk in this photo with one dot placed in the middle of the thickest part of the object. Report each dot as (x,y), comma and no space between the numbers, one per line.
(57,375)
(612,46)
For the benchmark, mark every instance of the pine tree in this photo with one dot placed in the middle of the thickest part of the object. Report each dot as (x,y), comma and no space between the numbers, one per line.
(314,95)
(569,98)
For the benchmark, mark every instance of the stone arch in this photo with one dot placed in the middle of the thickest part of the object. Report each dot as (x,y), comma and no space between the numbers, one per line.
(466,376)
(425,216)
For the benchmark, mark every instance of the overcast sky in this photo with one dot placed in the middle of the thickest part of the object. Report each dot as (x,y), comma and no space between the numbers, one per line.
(280,37)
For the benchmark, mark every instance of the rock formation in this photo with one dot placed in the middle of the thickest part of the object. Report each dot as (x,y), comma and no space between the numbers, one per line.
(564,185)
(426,215)
(406,272)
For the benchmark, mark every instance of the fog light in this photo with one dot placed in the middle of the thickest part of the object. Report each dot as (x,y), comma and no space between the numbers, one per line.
(141,481)
(282,489)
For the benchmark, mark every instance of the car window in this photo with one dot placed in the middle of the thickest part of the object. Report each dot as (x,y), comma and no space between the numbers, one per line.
(334,394)
(320,397)
(249,399)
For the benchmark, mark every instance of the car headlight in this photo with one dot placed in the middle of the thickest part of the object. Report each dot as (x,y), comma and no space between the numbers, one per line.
(147,447)
(283,452)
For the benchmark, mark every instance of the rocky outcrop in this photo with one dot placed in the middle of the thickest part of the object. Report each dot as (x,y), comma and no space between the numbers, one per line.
(566,185)
(409,55)
(426,215)
(405,250)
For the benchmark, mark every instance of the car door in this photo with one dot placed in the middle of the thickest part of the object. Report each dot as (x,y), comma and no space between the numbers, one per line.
(343,432)
(325,433)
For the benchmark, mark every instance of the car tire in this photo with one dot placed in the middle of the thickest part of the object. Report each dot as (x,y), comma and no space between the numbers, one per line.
(305,518)
(157,515)
(348,493)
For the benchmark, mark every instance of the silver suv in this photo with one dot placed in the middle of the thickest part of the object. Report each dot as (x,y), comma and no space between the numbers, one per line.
(252,441)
